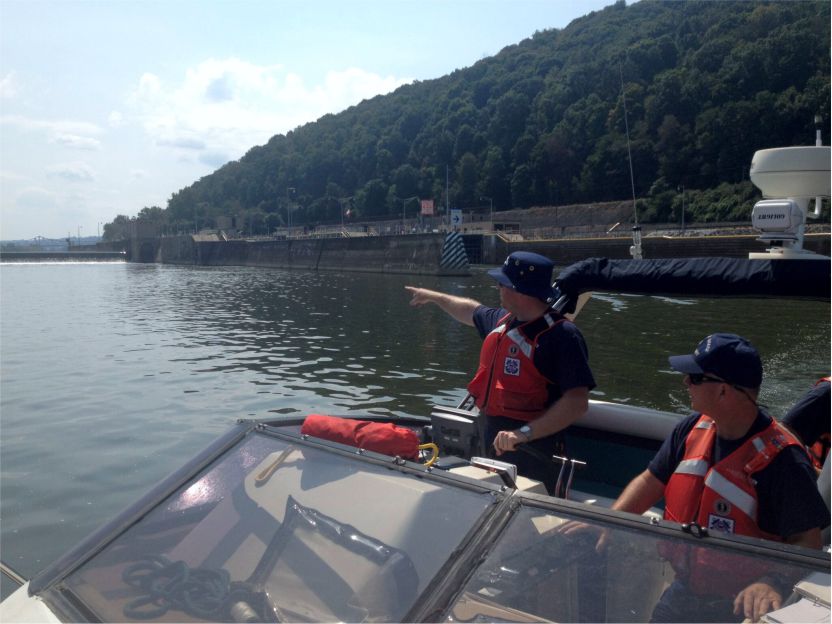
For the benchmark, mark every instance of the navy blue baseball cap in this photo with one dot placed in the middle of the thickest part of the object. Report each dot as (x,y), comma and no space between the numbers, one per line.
(528,273)
(727,356)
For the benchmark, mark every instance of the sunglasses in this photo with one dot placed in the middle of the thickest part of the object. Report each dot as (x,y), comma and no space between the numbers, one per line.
(700,378)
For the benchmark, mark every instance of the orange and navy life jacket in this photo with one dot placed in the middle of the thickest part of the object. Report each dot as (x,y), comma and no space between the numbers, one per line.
(506,382)
(819,449)
(719,497)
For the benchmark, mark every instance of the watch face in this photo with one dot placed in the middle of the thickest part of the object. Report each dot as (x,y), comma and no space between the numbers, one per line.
(526,430)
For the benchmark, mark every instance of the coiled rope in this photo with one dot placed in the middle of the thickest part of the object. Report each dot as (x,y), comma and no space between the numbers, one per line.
(166,585)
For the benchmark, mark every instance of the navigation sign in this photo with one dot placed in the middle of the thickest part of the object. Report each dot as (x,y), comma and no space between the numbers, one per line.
(456,217)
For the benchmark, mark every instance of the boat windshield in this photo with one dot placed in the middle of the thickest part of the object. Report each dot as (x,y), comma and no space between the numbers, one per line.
(276,531)
(279,528)
(553,566)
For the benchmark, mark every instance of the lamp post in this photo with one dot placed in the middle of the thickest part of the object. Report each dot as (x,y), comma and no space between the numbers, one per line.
(80,227)
(341,201)
(289,190)
(681,189)
(404,203)
(490,209)
(818,141)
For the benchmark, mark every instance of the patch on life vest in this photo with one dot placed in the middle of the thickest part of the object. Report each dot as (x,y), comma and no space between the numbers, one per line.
(722,507)
(778,441)
(512,367)
(718,523)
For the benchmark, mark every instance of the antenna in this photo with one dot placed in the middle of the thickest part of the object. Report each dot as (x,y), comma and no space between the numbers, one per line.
(635,249)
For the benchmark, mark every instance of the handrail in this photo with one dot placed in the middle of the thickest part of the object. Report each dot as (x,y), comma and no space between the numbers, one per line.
(8,571)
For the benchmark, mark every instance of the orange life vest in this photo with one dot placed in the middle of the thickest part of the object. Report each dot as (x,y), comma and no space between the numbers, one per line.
(506,382)
(719,497)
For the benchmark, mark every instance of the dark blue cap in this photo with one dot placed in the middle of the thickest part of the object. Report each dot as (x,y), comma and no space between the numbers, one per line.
(727,356)
(528,273)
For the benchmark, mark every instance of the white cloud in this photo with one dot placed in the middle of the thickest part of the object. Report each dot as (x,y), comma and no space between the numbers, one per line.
(214,159)
(8,86)
(38,211)
(138,174)
(35,198)
(182,142)
(12,176)
(73,172)
(115,119)
(227,106)
(77,142)
(56,128)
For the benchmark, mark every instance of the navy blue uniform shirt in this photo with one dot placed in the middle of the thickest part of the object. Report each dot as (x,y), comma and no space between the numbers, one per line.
(809,418)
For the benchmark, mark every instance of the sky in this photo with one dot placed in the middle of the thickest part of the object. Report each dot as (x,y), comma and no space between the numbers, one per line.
(110,106)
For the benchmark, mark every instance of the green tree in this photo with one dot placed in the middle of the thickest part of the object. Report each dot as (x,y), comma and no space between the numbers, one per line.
(117,229)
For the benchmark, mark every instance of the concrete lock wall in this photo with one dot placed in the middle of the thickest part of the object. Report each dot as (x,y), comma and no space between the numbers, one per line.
(421,253)
(412,254)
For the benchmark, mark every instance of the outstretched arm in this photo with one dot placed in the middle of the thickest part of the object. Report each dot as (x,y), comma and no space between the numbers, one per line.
(460,308)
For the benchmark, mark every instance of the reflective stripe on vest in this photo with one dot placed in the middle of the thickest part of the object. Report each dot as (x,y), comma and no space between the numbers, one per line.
(698,467)
(517,338)
(730,492)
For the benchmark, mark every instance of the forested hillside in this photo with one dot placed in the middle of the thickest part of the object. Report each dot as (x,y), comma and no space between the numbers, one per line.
(542,123)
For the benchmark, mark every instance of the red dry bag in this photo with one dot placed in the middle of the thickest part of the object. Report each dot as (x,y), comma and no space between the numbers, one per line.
(384,438)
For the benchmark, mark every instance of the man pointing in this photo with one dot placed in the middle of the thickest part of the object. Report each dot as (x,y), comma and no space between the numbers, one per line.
(533,378)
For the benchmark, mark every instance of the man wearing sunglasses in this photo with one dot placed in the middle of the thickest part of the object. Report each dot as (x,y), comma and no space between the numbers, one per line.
(728,467)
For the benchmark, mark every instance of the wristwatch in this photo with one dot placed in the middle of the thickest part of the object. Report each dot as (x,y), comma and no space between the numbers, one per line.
(526,431)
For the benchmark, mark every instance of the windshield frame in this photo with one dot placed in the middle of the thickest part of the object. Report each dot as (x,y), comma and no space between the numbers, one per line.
(450,580)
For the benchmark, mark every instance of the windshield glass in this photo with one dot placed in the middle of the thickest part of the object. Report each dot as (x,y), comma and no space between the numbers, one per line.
(549,566)
(281,532)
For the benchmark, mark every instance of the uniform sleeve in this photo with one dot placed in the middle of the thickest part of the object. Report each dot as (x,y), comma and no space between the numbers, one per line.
(672,450)
(789,500)
(485,319)
(809,417)
(563,359)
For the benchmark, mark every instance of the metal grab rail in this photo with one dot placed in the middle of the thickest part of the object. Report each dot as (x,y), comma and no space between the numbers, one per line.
(7,570)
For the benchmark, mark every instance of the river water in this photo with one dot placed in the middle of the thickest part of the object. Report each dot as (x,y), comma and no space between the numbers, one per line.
(114,374)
